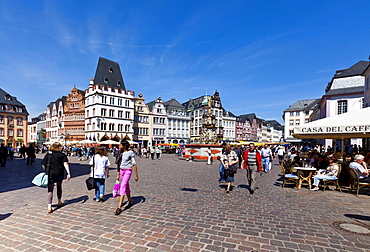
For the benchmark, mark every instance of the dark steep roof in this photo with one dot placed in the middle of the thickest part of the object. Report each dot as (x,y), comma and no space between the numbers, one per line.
(350,90)
(357,69)
(6,98)
(108,73)
(303,105)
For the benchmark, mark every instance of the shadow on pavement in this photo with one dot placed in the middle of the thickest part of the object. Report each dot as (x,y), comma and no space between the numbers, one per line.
(81,199)
(358,217)
(4,216)
(17,175)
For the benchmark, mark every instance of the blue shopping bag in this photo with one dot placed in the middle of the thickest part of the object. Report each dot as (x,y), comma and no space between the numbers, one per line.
(40,179)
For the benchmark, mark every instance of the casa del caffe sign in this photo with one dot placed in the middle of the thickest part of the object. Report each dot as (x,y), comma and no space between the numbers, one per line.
(333,129)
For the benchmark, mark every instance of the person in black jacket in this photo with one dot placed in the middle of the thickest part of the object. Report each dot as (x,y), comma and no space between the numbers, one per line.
(3,154)
(30,154)
(58,163)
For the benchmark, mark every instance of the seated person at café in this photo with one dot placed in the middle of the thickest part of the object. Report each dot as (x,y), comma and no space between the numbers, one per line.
(329,173)
(321,162)
(297,162)
(361,168)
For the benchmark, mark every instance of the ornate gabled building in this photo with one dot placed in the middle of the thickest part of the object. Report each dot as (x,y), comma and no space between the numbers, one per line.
(13,120)
(206,114)
(178,122)
(109,107)
(74,116)
(159,121)
(142,122)
(55,120)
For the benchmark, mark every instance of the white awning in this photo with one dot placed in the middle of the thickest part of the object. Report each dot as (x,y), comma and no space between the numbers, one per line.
(354,124)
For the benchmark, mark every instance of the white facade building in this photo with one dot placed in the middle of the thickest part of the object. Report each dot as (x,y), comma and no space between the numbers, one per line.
(159,121)
(229,121)
(297,114)
(109,113)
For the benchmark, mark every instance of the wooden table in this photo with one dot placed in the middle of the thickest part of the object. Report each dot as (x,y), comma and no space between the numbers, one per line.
(305,175)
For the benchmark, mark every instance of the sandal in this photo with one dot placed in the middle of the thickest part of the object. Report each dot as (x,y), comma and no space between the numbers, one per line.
(118,211)
(50,211)
(61,205)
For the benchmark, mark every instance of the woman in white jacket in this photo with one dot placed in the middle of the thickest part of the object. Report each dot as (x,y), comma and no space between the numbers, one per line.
(330,172)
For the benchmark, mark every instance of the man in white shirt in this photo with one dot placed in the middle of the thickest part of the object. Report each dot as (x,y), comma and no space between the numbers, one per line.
(361,168)
(266,154)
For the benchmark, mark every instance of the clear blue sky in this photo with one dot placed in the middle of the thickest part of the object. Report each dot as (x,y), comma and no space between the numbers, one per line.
(262,56)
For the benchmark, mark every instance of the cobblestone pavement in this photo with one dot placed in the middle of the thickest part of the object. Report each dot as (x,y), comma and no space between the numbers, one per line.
(178,206)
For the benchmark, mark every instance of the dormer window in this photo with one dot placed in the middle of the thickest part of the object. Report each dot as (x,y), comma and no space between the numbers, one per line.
(106,80)
(119,83)
(111,69)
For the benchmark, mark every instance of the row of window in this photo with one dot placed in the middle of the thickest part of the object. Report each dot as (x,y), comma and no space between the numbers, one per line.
(159,132)
(111,127)
(141,131)
(159,120)
(297,122)
(112,101)
(11,108)
(11,120)
(77,117)
(142,119)
(11,132)
(111,113)
(217,113)
(298,113)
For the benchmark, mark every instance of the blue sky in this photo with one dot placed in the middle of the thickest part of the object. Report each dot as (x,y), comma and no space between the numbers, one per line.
(261,56)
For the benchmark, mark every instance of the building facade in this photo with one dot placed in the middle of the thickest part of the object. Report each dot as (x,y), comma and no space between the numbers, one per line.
(206,114)
(298,114)
(178,122)
(74,116)
(229,125)
(142,122)
(159,121)
(54,121)
(109,107)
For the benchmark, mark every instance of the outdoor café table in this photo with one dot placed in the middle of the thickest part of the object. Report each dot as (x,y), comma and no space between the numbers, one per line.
(305,175)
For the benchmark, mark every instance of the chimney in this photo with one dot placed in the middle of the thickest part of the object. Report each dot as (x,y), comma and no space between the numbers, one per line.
(91,82)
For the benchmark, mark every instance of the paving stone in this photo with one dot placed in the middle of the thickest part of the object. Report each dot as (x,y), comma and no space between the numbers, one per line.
(166,218)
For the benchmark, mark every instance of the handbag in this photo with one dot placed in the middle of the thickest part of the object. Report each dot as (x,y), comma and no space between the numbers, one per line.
(42,179)
(233,168)
(90,182)
(116,189)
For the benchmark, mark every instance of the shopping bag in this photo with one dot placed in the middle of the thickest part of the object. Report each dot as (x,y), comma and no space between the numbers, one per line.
(90,183)
(270,166)
(40,179)
(116,188)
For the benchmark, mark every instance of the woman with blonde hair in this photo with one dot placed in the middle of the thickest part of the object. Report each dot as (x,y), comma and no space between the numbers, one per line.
(100,163)
(58,163)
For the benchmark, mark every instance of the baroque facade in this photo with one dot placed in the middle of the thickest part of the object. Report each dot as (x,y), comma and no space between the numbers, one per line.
(74,116)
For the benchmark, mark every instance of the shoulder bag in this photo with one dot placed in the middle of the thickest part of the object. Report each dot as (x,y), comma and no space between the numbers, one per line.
(42,179)
(90,182)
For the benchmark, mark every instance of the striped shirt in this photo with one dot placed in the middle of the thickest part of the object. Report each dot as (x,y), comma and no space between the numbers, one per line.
(252,160)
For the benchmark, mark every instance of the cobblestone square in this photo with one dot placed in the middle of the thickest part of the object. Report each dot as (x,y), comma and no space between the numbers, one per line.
(178,206)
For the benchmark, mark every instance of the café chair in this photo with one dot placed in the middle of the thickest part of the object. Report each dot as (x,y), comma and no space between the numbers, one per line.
(288,177)
(334,180)
(355,182)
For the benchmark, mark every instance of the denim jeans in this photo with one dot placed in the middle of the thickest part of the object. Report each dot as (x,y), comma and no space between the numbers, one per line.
(265,163)
(99,187)
(222,173)
(316,179)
